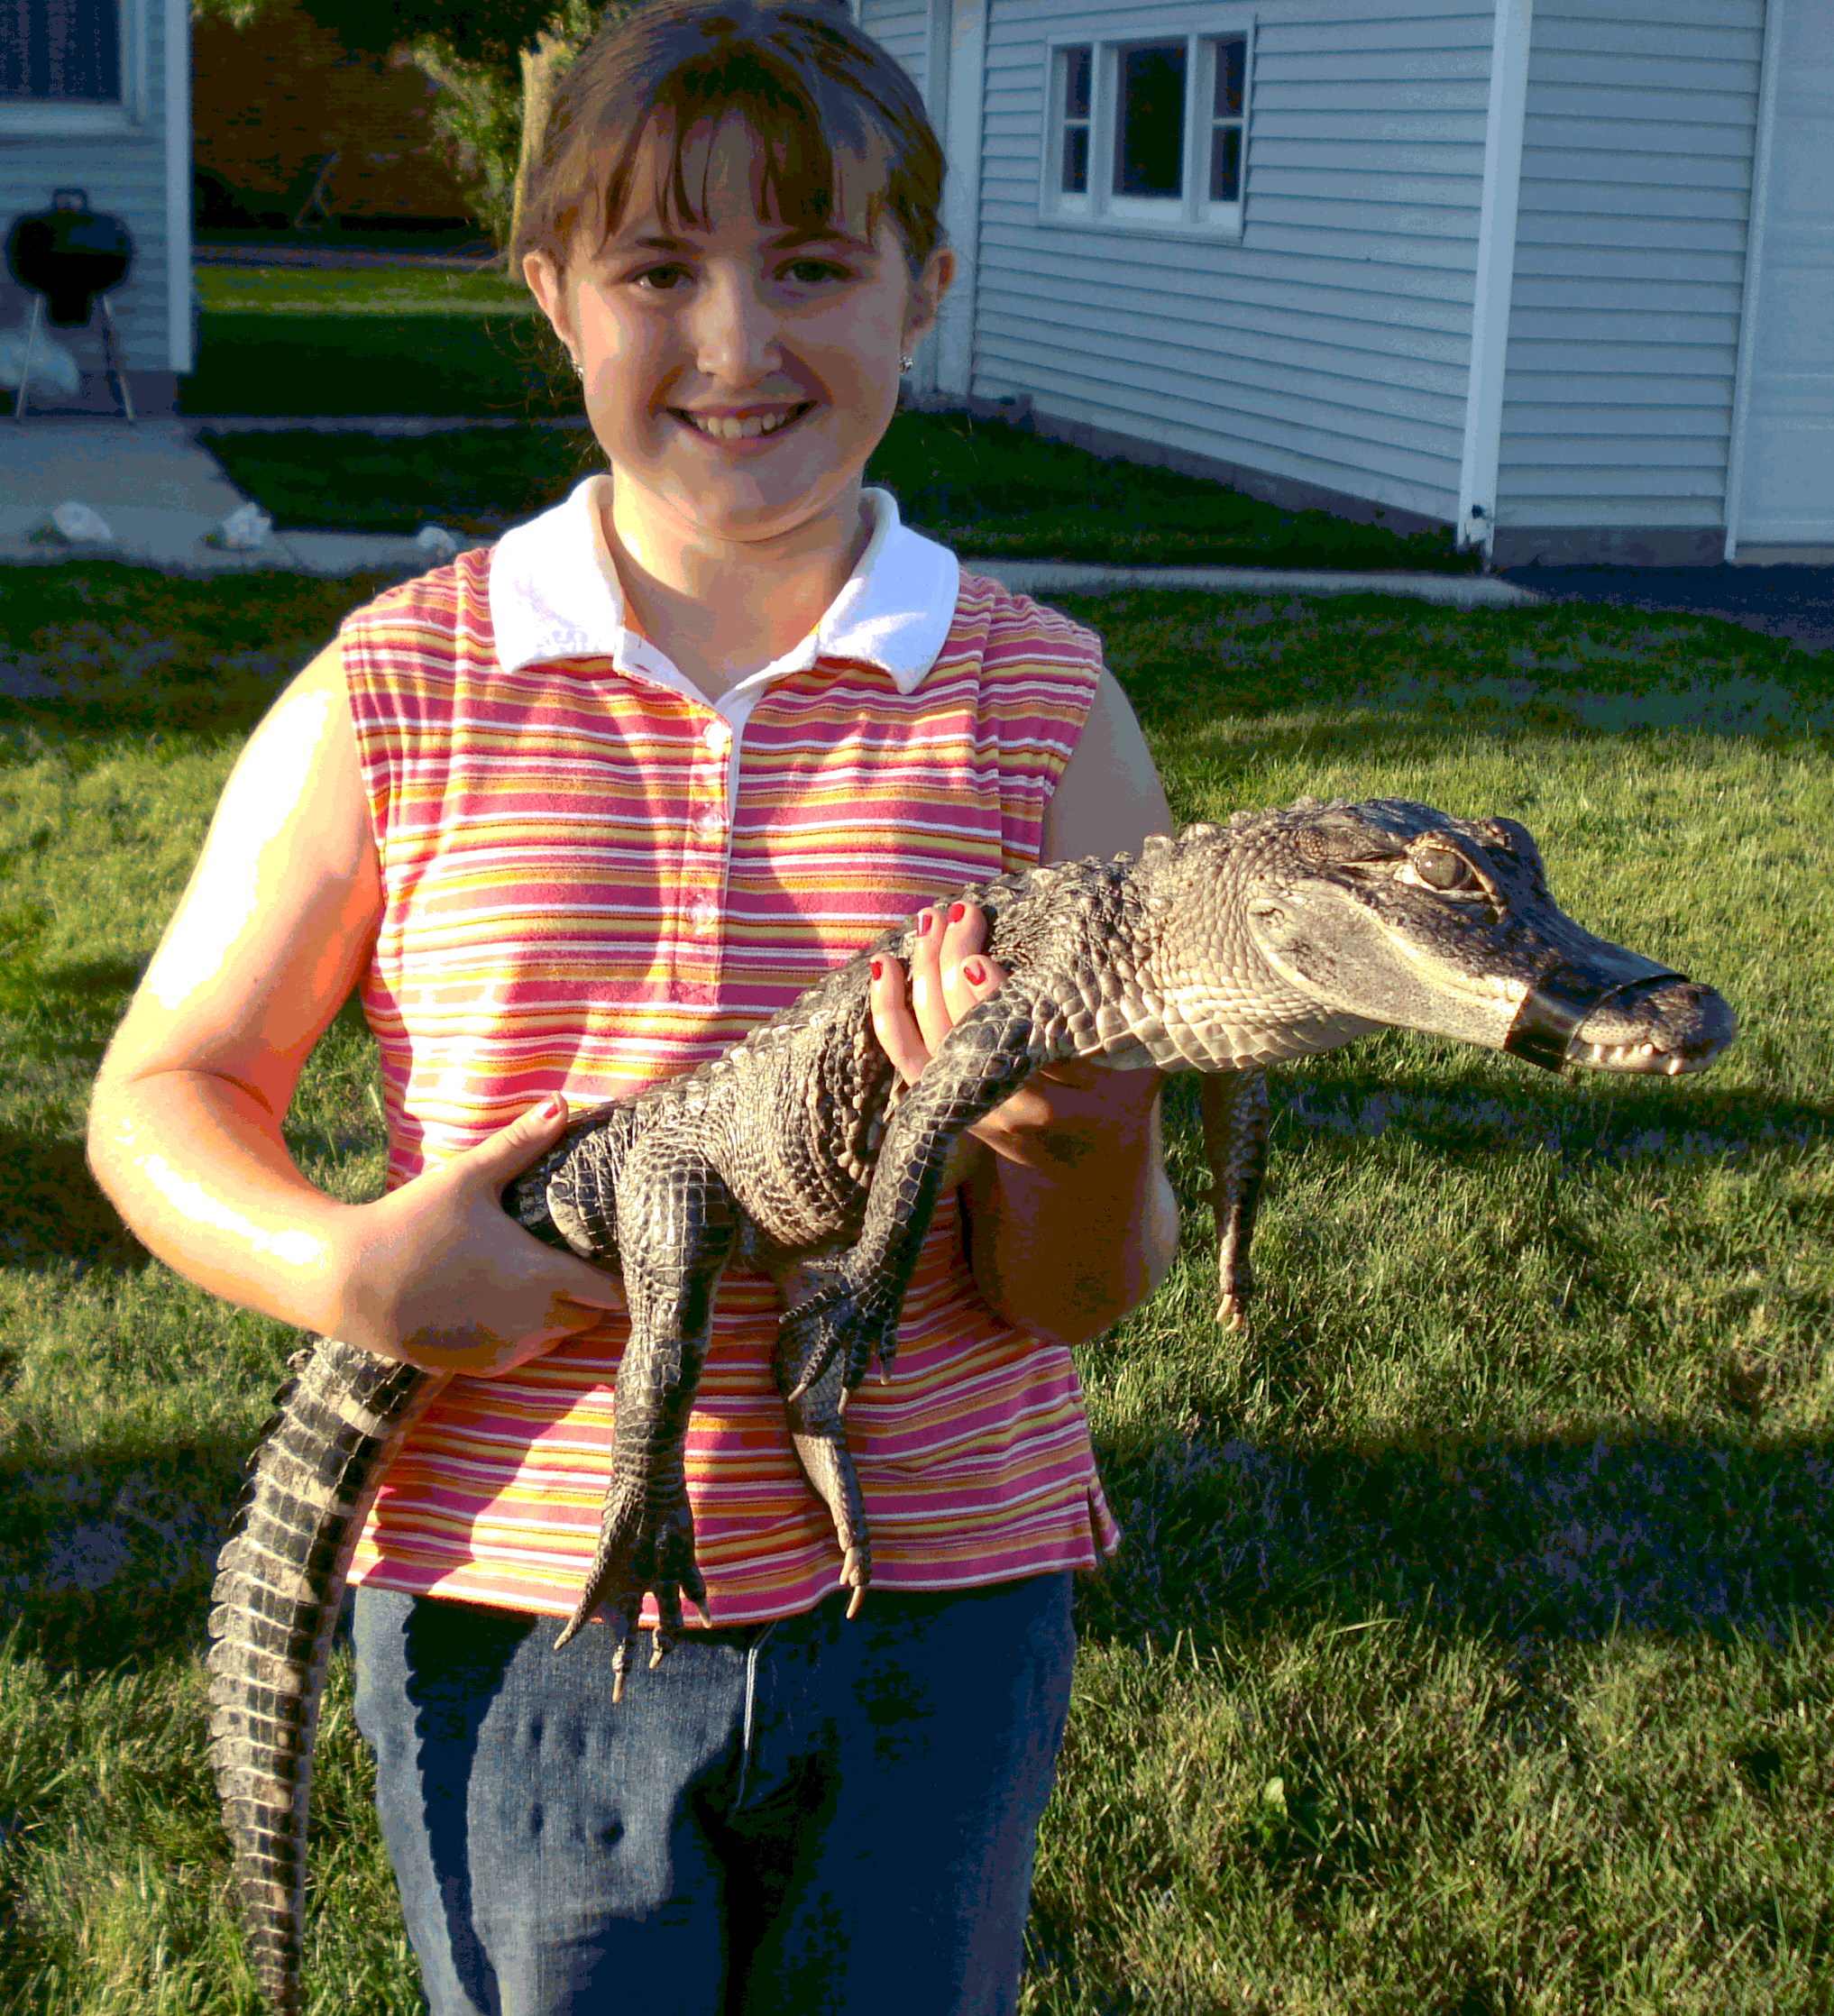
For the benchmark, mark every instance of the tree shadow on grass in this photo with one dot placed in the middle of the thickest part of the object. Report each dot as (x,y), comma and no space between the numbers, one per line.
(1531,1540)
(107,1557)
(55,1210)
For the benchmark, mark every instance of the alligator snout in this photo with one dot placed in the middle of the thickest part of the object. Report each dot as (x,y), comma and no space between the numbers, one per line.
(1670,1025)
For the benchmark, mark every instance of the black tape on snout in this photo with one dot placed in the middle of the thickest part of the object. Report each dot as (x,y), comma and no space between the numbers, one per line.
(1555,1006)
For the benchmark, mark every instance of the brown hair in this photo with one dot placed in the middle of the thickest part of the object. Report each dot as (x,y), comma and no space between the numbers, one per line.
(806,80)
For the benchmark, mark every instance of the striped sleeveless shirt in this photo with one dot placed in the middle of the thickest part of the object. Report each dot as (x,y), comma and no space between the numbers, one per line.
(594,878)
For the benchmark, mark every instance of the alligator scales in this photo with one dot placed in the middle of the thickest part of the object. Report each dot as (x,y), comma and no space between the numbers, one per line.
(1281,935)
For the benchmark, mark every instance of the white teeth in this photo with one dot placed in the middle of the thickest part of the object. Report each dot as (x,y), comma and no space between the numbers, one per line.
(747,429)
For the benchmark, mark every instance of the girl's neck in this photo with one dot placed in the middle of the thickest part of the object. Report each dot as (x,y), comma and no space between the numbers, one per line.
(719,613)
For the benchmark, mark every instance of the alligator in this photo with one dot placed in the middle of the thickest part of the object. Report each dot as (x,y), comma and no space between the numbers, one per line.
(1280,935)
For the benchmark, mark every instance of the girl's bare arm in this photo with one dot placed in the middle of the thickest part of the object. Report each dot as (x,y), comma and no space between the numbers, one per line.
(1071,1219)
(185,1123)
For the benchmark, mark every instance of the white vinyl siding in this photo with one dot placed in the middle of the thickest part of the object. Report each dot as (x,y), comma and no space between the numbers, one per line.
(1331,343)
(124,173)
(1629,269)
(902,29)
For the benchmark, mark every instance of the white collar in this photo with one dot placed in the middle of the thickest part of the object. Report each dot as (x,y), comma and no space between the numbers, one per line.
(554,595)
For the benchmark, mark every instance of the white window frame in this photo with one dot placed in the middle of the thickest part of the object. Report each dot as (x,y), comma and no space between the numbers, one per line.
(54,118)
(1098,207)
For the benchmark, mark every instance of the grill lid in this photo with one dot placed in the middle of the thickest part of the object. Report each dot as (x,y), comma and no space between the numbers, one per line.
(70,255)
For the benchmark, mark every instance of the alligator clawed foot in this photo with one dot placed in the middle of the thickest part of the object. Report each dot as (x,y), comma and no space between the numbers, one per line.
(834,1325)
(646,1545)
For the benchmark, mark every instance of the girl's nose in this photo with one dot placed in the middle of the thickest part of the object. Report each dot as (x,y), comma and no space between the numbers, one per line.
(733,327)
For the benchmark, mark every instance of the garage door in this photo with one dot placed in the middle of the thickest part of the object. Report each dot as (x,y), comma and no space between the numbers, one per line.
(1787,492)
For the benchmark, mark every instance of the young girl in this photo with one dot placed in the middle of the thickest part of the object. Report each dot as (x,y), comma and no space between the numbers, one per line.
(574,813)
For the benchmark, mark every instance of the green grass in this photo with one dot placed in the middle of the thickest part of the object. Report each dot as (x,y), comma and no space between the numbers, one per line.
(1470,1650)
(301,341)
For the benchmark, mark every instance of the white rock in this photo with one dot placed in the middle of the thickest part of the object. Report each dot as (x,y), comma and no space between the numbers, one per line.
(246,527)
(53,369)
(436,540)
(81,526)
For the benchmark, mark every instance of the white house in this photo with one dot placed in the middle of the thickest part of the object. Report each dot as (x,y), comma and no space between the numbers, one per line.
(1558,272)
(95,95)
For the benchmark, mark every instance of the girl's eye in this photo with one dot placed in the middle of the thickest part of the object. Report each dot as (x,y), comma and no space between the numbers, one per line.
(812,272)
(661,279)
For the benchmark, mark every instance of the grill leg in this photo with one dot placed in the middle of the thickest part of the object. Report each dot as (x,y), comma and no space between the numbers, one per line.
(111,343)
(25,366)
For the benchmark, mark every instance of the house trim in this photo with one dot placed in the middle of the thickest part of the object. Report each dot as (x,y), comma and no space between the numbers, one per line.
(958,51)
(48,119)
(1495,266)
(179,352)
(1769,64)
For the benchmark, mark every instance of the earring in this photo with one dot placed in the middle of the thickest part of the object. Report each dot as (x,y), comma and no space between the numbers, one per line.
(579,368)
(906,360)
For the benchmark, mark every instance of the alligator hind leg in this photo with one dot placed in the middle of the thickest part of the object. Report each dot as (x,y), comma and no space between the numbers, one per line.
(818,1433)
(676,1245)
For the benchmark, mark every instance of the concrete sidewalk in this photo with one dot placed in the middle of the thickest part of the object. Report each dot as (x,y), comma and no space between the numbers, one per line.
(163,493)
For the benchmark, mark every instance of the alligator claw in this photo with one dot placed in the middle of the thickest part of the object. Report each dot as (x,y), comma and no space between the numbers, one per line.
(646,1545)
(835,1324)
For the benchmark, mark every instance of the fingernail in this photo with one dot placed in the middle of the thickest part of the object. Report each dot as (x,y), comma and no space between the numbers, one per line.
(549,1108)
(957,912)
(878,968)
(926,922)
(974,973)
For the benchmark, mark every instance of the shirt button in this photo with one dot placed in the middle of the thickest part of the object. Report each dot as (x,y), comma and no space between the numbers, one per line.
(703,914)
(709,825)
(717,734)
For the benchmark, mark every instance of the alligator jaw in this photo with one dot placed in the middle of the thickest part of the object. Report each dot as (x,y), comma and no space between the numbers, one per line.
(1667,1025)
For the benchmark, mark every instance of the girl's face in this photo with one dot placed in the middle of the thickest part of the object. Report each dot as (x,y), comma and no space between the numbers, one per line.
(737,376)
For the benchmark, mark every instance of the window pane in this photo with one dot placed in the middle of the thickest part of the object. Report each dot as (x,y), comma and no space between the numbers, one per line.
(1076,83)
(1075,161)
(1149,121)
(59,49)
(1226,163)
(1231,64)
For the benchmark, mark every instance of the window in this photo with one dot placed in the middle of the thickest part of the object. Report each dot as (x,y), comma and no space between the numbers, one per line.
(59,49)
(1147,133)
(72,66)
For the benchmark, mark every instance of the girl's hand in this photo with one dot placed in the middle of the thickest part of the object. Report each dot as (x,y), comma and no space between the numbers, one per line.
(1055,1118)
(438,1275)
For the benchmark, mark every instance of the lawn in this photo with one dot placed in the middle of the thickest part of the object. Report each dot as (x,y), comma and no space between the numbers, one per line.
(1469,1652)
(278,342)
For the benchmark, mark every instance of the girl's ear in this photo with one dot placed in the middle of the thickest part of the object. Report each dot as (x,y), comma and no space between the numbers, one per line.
(542,279)
(928,290)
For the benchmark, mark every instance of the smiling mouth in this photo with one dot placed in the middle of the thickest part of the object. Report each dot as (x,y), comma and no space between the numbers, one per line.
(753,428)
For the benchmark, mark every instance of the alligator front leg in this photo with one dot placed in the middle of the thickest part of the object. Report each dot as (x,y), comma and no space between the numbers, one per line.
(852,1316)
(1235,1122)
(677,1229)
(816,1408)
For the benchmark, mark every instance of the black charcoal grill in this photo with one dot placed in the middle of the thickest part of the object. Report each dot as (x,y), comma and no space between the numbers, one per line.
(65,258)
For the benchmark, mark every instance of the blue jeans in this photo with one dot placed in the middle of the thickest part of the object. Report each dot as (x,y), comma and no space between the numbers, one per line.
(799,1818)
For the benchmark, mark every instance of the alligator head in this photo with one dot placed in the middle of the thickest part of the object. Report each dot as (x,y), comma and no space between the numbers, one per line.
(1389,913)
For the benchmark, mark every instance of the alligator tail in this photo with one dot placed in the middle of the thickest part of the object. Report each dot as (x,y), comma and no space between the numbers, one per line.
(279,1579)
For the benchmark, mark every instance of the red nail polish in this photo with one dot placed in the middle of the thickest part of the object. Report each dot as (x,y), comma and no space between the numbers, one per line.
(926,922)
(974,973)
(878,968)
(957,912)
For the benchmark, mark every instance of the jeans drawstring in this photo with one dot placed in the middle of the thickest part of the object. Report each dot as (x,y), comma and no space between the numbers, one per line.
(752,1652)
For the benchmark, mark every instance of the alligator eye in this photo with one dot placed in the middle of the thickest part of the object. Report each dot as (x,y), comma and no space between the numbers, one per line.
(1440,868)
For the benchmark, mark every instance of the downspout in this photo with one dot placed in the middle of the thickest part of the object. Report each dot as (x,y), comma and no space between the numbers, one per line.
(1495,267)
(180,330)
